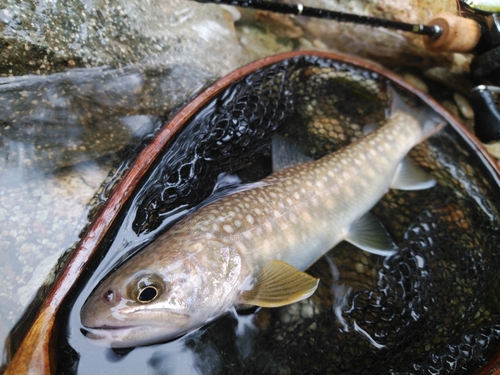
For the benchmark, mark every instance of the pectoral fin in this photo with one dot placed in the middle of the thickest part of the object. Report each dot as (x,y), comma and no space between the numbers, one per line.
(410,176)
(279,284)
(369,234)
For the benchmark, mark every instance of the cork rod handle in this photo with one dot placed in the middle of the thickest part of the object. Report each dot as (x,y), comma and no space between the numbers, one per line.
(459,34)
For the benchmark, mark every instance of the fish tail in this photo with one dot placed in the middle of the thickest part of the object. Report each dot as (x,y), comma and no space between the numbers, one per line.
(429,120)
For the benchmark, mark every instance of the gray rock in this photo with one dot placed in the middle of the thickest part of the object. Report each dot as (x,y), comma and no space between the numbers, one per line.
(49,36)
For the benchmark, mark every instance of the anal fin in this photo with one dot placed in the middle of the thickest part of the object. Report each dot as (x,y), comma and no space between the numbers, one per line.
(370,235)
(279,284)
(410,176)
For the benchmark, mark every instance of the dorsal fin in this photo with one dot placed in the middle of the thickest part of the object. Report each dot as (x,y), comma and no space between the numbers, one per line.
(286,153)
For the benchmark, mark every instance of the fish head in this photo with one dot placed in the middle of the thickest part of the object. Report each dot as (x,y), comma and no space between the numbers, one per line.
(136,310)
(140,304)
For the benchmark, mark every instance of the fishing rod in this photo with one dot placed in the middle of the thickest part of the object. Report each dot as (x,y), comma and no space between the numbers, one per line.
(476,31)
(445,33)
(301,10)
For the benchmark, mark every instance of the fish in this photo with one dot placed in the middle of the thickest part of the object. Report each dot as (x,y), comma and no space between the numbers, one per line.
(251,247)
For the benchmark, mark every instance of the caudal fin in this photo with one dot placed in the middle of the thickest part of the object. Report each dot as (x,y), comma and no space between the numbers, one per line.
(430,121)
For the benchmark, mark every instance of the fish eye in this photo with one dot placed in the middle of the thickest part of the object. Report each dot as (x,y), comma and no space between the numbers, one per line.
(148,294)
(145,288)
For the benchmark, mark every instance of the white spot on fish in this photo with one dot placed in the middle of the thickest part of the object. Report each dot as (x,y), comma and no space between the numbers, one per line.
(268,226)
(239,245)
(306,217)
(257,211)
(266,246)
(329,203)
(250,219)
(237,223)
(228,228)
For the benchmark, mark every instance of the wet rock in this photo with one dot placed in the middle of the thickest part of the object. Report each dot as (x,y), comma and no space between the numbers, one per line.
(41,219)
(464,106)
(43,37)
(416,82)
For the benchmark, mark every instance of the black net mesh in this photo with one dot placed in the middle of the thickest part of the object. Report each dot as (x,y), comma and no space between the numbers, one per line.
(431,308)
(239,122)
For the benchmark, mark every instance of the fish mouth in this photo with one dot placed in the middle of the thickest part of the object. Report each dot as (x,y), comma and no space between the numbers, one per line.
(135,334)
(107,327)
(122,336)
(139,318)
(129,337)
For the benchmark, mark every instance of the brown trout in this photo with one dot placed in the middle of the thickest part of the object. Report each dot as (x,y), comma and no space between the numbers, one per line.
(250,247)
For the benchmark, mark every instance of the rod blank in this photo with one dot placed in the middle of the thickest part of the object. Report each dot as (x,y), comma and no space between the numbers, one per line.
(432,32)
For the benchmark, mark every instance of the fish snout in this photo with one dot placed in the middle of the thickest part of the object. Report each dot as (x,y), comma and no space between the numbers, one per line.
(99,305)
(110,297)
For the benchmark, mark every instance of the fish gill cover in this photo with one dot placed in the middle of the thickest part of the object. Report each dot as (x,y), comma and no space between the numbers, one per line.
(430,308)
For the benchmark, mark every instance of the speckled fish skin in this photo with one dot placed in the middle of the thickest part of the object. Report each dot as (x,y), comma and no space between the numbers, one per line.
(204,262)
